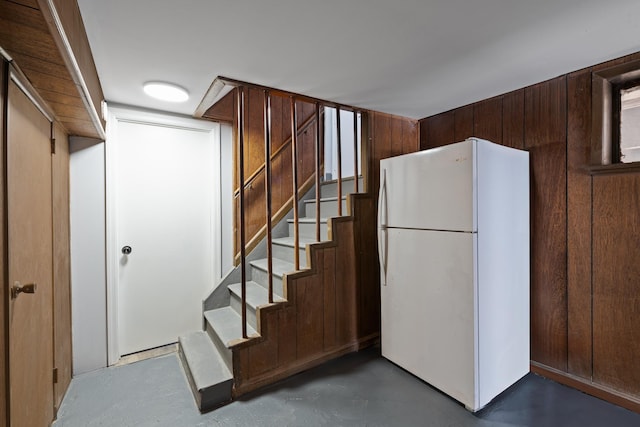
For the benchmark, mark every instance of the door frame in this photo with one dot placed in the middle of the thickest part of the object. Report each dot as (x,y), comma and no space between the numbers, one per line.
(120,113)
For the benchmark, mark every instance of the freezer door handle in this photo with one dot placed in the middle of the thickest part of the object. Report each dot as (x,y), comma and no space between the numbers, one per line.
(382,226)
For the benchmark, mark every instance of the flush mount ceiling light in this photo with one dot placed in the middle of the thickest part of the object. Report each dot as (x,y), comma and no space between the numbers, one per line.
(166,91)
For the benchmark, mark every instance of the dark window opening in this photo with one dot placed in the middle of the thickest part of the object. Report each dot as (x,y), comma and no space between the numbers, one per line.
(628,122)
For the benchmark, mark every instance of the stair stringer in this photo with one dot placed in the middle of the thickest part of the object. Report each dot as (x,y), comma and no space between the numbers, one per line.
(320,318)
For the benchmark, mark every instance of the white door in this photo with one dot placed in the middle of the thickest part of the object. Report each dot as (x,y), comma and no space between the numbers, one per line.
(166,183)
(428,308)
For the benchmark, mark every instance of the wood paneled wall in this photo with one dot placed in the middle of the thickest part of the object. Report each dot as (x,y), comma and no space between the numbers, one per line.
(584,232)
(4,291)
(62,352)
(327,312)
(389,136)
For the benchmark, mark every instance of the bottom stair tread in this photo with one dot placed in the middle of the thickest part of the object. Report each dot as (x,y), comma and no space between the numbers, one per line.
(205,364)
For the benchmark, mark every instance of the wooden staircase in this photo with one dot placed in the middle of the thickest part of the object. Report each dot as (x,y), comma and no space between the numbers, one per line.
(313,317)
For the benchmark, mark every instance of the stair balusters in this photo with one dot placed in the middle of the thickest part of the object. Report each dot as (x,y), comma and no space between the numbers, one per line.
(355,153)
(339,159)
(243,257)
(317,154)
(267,189)
(294,167)
(319,148)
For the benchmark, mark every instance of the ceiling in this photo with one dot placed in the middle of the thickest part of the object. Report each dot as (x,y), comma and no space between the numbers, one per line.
(413,58)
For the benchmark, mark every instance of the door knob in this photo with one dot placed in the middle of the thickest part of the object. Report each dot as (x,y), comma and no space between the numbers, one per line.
(126,250)
(18,289)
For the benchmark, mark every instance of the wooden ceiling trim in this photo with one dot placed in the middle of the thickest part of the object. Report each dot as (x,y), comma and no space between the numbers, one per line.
(36,47)
(18,13)
(223,110)
(73,24)
(80,128)
(33,4)
(44,66)
(66,38)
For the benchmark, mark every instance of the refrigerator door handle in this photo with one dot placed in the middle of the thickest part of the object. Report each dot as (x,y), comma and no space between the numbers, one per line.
(382,226)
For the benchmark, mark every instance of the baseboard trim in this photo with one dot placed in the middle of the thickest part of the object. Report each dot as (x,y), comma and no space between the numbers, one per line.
(301,365)
(626,401)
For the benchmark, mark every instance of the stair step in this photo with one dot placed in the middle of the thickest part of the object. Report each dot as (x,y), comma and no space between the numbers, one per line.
(328,207)
(283,249)
(279,268)
(288,241)
(307,228)
(227,325)
(330,188)
(256,296)
(209,377)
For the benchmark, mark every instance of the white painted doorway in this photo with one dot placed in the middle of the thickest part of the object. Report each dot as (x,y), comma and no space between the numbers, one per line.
(162,186)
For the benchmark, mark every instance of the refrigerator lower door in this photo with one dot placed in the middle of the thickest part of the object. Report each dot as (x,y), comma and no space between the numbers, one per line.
(428,309)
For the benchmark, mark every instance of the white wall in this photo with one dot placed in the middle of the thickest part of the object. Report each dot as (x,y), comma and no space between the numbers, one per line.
(88,269)
(226,198)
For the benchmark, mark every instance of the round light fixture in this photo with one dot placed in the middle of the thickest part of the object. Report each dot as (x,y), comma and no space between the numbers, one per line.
(166,91)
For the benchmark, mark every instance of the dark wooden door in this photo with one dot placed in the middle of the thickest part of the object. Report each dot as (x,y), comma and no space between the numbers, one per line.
(29,262)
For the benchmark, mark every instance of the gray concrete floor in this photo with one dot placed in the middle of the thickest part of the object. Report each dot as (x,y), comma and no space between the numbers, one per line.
(361,389)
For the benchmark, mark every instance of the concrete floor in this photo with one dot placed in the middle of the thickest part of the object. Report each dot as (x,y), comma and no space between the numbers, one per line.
(361,389)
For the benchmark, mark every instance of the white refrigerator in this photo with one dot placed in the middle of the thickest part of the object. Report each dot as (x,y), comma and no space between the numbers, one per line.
(453,240)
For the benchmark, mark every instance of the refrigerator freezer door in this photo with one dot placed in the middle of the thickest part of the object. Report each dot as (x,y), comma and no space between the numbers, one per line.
(428,308)
(431,189)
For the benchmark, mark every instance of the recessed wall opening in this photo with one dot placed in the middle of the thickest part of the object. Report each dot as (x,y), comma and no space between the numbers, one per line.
(629,124)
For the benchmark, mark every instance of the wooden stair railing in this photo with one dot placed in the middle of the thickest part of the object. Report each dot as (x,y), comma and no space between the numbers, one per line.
(321,315)
(255,184)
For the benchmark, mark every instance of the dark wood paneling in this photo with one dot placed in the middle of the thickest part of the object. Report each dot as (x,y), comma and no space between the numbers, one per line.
(29,3)
(4,292)
(224,109)
(424,134)
(380,145)
(345,269)
(410,136)
(487,120)
(254,131)
(320,319)
(287,343)
(397,146)
(441,130)
(368,272)
(309,324)
(545,138)
(390,136)
(263,357)
(548,255)
(330,299)
(546,113)
(616,289)
(463,119)
(513,119)
(579,224)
